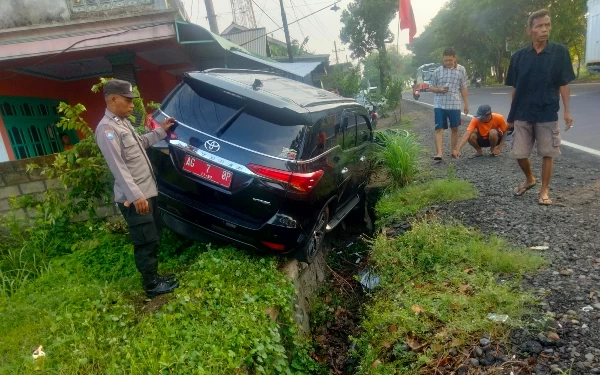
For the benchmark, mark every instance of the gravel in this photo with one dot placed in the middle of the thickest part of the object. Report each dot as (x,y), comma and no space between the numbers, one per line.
(571,280)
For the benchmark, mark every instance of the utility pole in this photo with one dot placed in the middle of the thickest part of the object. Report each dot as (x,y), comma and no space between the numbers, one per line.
(336,50)
(212,17)
(286,31)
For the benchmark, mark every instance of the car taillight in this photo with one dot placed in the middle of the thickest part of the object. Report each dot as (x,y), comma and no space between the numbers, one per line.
(152,124)
(301,182)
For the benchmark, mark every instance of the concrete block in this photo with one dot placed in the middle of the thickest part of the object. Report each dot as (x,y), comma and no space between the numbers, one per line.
(20,213)
(53,184)
(9,191)
(105,211)
(15,178)
(4,205)
(32,213)
(36,175)
(6,166)
(33,187)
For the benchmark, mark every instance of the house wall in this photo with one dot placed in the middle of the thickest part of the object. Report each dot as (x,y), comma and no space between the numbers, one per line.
(19,13)
(23,13)
(15,181)
(154,84)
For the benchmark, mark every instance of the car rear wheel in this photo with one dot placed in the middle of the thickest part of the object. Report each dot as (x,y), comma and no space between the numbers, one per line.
(311,249)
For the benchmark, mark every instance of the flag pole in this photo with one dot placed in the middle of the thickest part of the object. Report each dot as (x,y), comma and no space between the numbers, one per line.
(398,35)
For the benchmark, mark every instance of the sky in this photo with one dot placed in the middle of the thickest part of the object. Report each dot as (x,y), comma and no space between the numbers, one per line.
(322,28)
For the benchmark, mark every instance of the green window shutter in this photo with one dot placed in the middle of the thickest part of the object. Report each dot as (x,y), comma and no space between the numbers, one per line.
(31,126)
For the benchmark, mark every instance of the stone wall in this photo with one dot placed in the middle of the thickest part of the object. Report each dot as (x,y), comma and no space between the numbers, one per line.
(16,181)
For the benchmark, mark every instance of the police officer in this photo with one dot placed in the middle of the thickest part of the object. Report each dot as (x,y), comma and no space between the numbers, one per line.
(135,184)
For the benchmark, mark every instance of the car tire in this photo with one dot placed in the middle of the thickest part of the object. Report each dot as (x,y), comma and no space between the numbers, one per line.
(309,251)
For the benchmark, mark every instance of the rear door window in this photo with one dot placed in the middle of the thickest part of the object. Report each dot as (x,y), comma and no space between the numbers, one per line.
(200,113)
(251,132)
(283,141)
(324,135)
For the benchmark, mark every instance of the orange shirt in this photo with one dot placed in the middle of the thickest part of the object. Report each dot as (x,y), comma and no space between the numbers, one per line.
(483,128)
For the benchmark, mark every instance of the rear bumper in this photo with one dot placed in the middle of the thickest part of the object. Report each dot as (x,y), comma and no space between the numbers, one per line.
(198,225)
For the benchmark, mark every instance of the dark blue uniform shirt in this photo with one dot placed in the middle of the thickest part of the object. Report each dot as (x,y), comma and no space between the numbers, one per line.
(537,78)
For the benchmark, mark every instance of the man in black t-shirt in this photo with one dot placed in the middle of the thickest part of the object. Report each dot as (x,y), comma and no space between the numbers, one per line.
(539,74)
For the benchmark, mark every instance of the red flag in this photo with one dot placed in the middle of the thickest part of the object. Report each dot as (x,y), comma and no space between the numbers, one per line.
(407,19)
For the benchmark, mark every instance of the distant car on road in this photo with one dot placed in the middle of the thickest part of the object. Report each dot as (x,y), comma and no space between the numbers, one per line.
(261,161)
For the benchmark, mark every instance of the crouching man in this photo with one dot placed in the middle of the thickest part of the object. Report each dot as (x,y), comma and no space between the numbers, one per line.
(487,129)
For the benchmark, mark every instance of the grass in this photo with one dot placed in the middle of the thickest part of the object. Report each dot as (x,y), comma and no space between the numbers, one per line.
(438,284)
(399,155)
(585,76)
(402,203)
(88,312)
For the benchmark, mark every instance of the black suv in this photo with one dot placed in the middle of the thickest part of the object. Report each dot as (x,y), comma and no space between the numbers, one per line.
(260,160)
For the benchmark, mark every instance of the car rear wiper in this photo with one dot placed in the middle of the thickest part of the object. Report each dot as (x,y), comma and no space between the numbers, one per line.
(223,128)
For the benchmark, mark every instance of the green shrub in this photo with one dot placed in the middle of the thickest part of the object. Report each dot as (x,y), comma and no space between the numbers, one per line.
(399,155)
(405,202)
(89,315)
(438,285)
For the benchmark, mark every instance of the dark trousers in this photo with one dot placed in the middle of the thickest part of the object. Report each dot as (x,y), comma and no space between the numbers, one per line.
(145,232)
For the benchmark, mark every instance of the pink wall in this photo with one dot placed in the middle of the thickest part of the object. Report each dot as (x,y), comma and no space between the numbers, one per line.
(154,84)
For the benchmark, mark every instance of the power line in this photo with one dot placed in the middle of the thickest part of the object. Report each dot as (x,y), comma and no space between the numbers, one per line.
(276,24)
(319,21)
(297,6)
(299,26)
(291,23)
(318,34)
(260,17)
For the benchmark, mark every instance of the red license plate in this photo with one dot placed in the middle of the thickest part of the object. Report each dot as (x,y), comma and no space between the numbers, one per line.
(207,171)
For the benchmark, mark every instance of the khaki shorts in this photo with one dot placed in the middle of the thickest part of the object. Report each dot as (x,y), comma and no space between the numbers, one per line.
(545,134)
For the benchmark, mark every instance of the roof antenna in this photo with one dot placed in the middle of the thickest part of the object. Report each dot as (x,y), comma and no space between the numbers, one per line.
(257,83)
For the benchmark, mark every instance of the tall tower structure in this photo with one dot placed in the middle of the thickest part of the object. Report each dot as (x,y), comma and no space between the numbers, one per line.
(243,13)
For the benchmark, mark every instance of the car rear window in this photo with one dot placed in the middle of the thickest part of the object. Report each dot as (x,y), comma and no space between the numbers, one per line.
(248,131)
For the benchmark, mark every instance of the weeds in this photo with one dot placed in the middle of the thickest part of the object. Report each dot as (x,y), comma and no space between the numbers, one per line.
(89,315)
(407,201)
(399,155)
(438,284)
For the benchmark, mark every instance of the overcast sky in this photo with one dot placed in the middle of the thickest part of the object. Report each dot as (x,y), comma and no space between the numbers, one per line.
(322,28)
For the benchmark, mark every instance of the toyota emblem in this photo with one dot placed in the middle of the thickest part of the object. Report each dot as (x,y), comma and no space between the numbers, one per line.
(212,146)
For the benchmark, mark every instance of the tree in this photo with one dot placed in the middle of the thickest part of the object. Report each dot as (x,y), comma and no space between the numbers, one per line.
(400,66)
(297,48)
(569,26)
(347,83)
(486,32)
(366,28)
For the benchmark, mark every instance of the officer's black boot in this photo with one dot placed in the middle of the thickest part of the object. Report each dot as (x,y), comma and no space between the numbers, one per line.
(167,277)
(154,286)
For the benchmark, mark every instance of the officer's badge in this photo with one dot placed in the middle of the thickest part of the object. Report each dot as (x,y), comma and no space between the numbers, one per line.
(109,134)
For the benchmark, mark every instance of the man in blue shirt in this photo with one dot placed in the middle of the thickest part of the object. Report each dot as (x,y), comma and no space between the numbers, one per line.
(539,74)
(449,83)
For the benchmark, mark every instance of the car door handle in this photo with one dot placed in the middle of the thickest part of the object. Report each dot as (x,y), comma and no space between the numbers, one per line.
(363,158)
(345,170)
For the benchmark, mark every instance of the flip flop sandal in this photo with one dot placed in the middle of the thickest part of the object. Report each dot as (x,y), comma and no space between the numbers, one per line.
(545,201)
(520,190)
(437,158)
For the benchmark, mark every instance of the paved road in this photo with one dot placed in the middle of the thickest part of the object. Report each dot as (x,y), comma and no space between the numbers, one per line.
(585,108)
